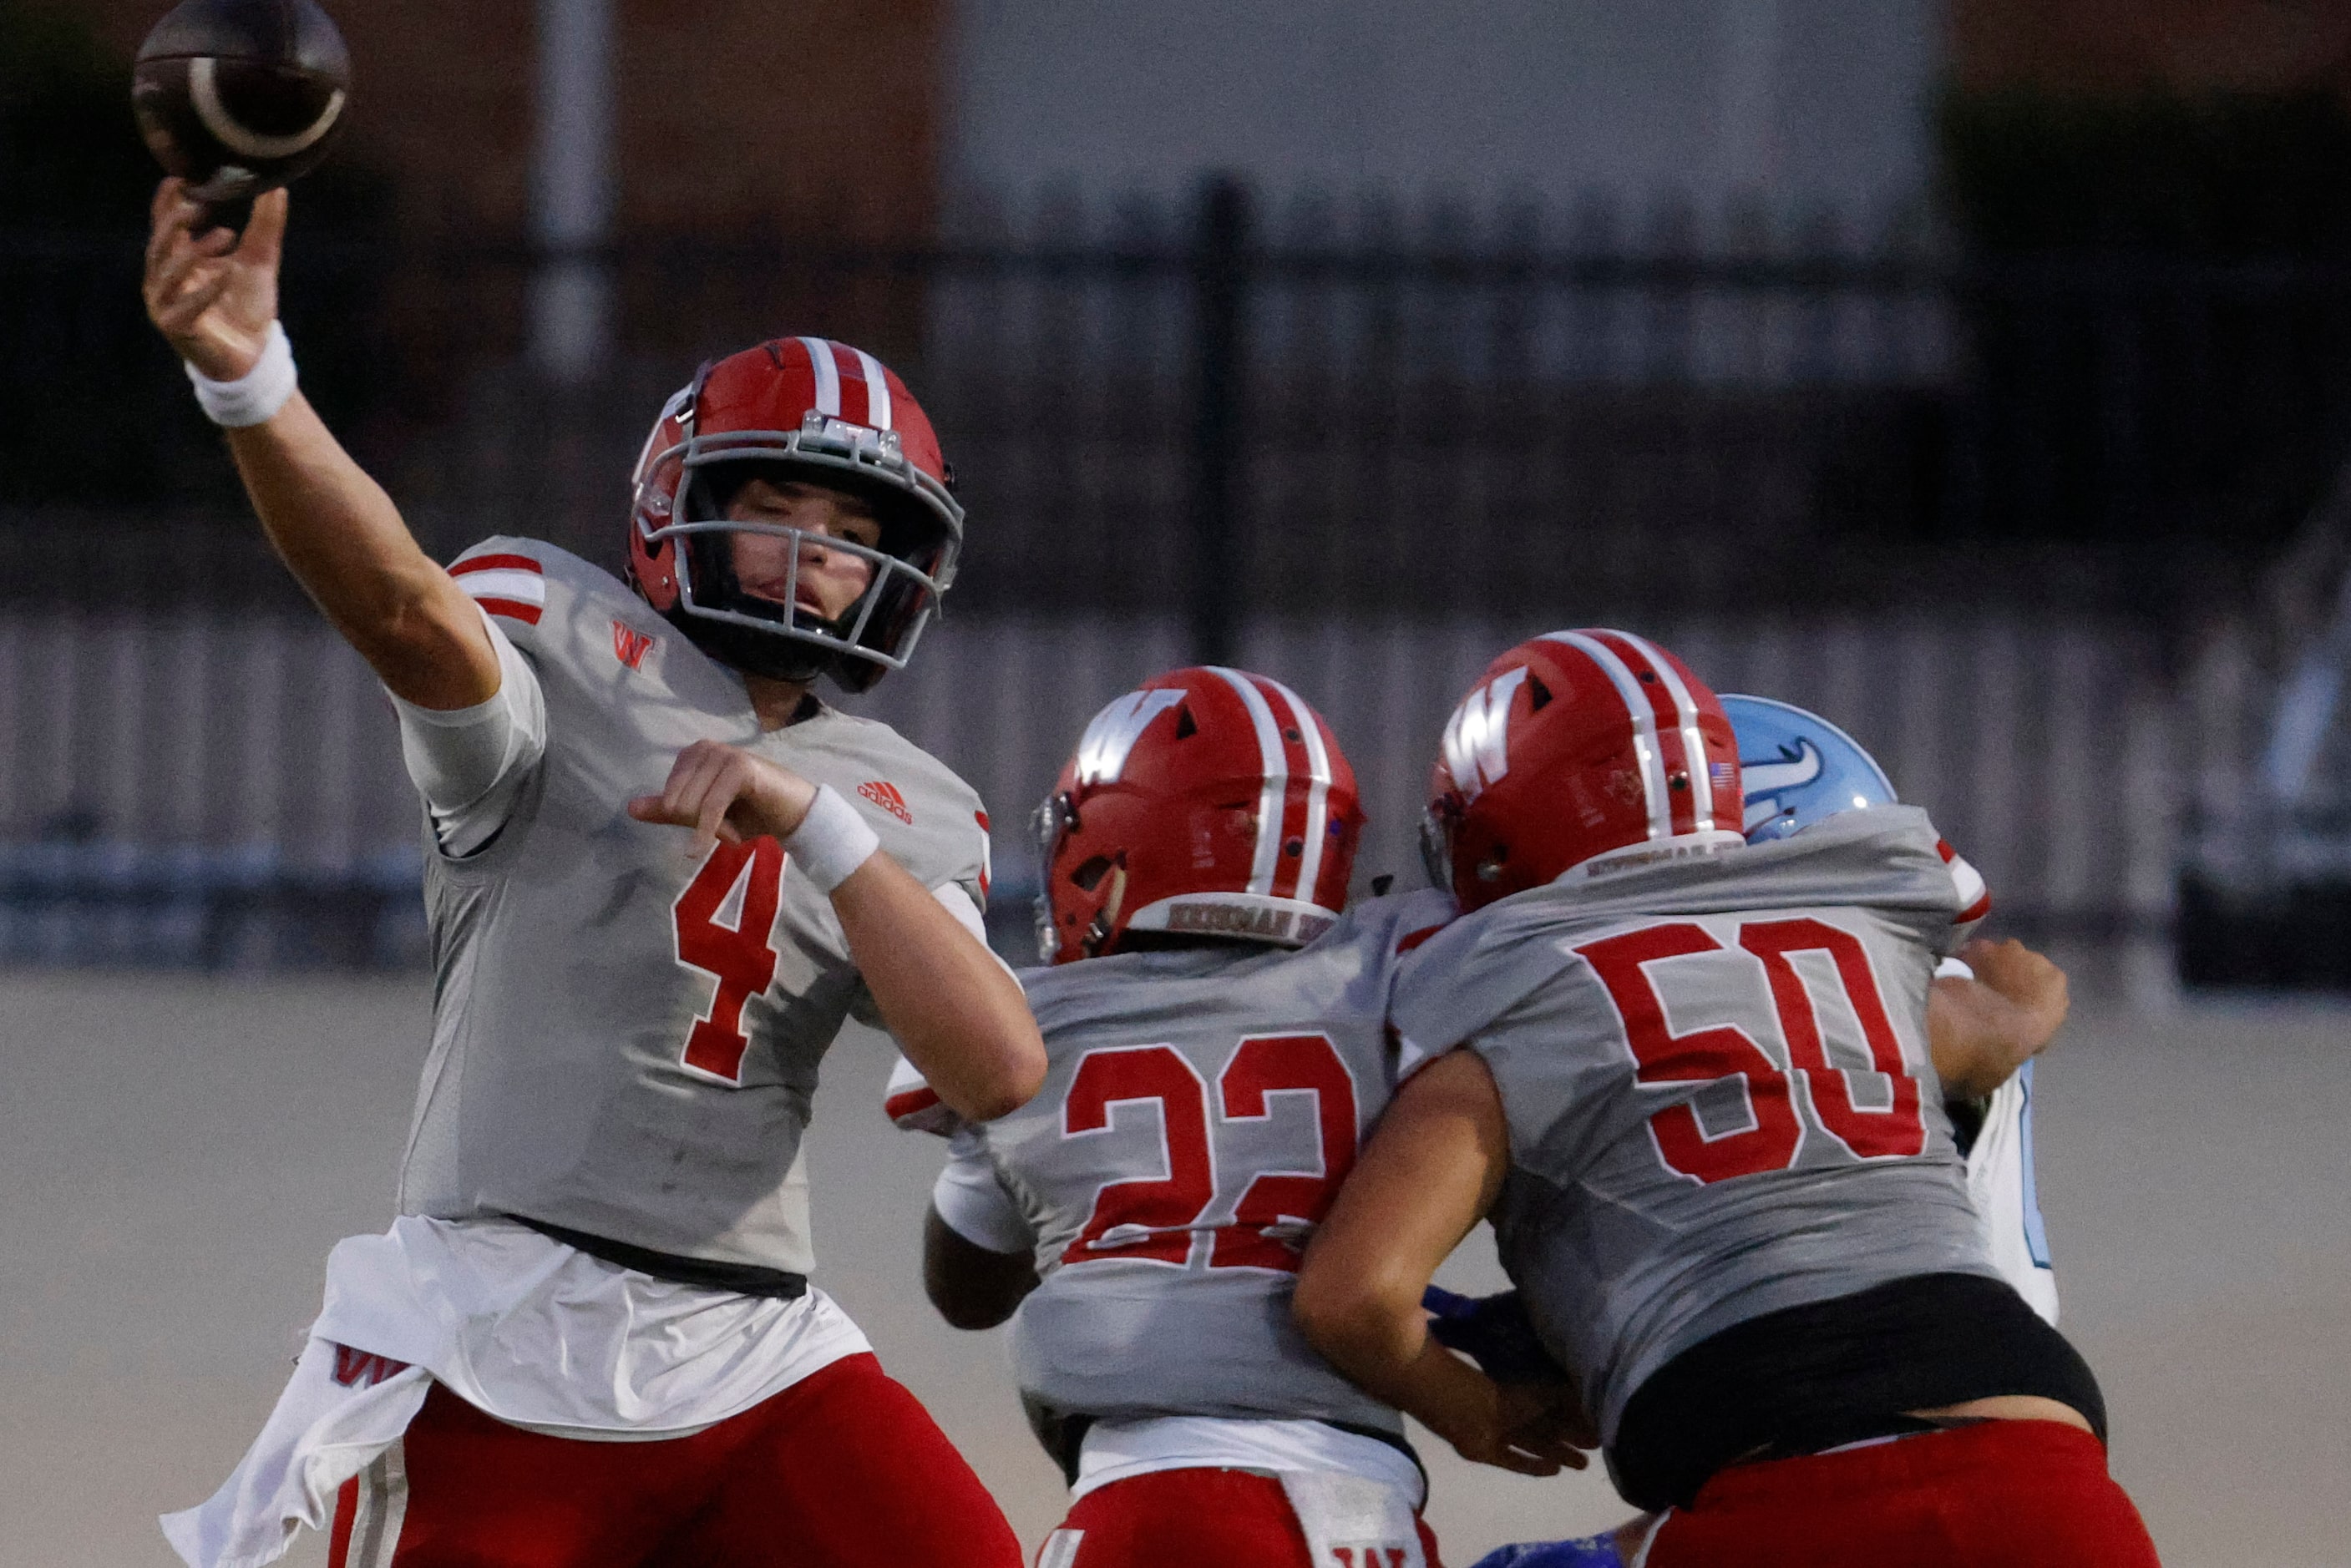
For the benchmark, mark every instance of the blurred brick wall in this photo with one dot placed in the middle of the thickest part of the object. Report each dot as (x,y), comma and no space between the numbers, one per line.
(2115,46)
(788,117)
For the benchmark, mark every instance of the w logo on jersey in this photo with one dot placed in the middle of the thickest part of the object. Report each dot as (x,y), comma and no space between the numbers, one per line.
(1102,748)
(629,644)
(1477,736)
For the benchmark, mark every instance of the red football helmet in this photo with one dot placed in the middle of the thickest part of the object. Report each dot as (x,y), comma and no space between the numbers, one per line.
(836,415)
(1573,746)
(1207,802)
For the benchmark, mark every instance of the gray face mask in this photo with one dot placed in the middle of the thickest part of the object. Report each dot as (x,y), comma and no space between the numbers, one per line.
(778,638)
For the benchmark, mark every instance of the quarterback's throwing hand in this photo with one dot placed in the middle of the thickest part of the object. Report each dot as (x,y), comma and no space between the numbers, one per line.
(724,792)
(212,295)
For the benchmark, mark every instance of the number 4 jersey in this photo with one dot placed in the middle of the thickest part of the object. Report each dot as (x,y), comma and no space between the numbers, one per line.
(625,1039)
(1199,1110)
(1715,1076)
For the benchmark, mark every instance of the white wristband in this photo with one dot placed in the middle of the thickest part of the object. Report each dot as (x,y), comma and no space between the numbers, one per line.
(832,841)
(256,396)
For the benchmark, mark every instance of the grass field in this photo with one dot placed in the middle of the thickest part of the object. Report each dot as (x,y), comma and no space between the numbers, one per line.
(179,1152)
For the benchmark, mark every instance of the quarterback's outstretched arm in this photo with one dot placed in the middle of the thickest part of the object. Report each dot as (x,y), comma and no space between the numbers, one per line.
(954,1009)
(213,297)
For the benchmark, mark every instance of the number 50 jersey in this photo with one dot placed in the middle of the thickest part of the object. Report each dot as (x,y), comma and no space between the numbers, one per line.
(1715,1076)
(1199,1110)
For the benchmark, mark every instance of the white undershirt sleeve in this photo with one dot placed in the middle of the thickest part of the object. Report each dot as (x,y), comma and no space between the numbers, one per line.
(469,763)
(973,1201)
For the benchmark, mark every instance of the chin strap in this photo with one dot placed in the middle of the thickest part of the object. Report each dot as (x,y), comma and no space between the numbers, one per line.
(1106,919)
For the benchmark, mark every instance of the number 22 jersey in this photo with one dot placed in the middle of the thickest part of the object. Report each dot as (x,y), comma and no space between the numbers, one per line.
(1715,1076)
(1200,1109)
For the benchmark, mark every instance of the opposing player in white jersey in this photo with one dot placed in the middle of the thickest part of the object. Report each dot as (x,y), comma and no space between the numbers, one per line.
(1696,1098)
(661,872)
(1217,1031)
(1801,769)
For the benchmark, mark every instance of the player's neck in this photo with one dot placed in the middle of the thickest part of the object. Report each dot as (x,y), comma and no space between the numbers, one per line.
(778,703)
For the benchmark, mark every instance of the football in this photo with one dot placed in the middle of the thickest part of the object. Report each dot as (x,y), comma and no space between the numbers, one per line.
(239,96)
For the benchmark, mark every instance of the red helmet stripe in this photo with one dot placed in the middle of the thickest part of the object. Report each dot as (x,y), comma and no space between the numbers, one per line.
(1642,712)
(1693,752)
(877,389)
(827,373)
(1318,790)
(1273,796)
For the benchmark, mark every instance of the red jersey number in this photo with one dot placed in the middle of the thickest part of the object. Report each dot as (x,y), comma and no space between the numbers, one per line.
(741,956)
(1150,1217)
(1156,1217)
(1774,1130)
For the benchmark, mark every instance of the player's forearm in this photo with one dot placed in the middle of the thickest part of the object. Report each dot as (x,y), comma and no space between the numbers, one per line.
(344,541)
(954,1011)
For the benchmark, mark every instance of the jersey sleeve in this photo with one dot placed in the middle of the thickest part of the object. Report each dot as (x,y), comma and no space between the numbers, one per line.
(470,764)
(914,1105)
(1420,917)
(971,1198)
(1975,897)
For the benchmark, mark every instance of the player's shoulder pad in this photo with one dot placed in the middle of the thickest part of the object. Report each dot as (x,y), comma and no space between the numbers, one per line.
(536,589)
(1417,917)
(912,1104)
(1454,979)
(926,815)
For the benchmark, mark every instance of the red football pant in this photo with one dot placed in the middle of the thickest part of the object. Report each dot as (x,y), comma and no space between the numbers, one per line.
(2001,1494)
(1195,1517)
(843,1469)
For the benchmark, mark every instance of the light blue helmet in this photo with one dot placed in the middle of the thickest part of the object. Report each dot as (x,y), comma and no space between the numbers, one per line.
(1797,768)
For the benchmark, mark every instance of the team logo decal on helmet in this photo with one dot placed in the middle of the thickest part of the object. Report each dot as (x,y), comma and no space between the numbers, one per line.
(816,411)
(1594,749)
(1209,801)
(1799,768)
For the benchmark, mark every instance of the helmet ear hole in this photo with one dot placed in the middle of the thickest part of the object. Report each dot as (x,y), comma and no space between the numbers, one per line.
(1184,726)
(1539,693)
(1089,876)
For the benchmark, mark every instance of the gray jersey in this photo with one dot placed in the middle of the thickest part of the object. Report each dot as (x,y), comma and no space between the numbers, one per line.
(625,1040)
(1198,1112)
(1716,1075)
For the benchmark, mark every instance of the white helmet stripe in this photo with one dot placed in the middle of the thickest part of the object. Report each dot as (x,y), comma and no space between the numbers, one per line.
(677,400)
(1277,779)
(1318,791)
(1645,724)
(877,390)
(828,375)
(1693,756)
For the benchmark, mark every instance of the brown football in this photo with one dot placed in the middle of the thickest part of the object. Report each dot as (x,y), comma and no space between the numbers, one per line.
(239,96)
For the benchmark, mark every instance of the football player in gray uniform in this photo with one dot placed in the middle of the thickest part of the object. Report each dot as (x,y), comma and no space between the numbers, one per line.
(661,872)
(1695,1096)
(1797,769)
(1800,769)
(1217,1029)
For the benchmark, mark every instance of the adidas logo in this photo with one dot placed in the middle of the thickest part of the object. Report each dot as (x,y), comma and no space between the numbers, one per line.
(886,797)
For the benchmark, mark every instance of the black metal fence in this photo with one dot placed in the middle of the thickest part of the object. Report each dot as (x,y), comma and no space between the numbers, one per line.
(1314,410)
